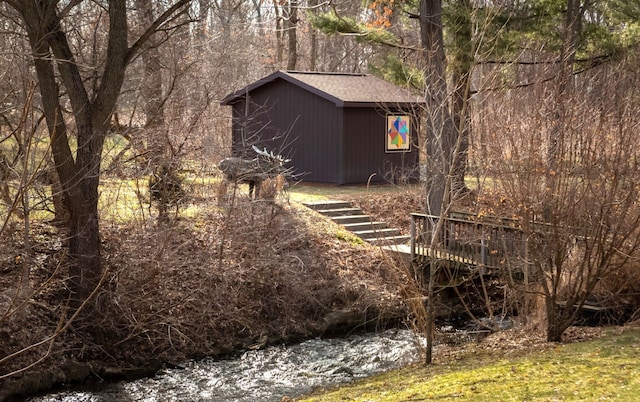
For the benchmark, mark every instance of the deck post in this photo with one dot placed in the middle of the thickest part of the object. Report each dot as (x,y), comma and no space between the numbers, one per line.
(413,237)
(483,249)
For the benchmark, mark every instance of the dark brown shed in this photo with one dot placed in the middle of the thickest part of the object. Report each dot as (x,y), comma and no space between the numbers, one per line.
(335,127)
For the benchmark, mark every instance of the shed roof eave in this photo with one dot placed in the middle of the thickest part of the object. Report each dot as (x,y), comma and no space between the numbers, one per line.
(242,93)
(290,77)
(395,105)
(230,100)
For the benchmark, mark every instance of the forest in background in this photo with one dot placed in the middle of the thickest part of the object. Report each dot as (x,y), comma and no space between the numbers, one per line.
(536,102)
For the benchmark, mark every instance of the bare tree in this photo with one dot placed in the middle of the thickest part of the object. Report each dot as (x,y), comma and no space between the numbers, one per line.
(584,228)
(440,140)
(47,26)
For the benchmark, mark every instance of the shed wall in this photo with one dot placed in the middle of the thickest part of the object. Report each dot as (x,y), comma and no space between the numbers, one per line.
(365,157)
(296,123)
(326,143)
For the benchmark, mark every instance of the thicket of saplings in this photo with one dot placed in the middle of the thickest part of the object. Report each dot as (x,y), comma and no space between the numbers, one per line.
(567,170)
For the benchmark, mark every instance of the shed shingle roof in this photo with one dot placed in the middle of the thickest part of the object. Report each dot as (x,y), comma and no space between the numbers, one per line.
(343,89)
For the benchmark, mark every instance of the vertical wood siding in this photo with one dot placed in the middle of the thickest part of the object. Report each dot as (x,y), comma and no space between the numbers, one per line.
(296,123)
(365,156)
(326,144)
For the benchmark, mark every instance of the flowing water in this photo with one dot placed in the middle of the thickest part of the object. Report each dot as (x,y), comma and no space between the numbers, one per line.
(264,375)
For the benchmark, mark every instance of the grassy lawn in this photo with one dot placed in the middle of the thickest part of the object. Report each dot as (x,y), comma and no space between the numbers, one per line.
(317,192)
(604,369)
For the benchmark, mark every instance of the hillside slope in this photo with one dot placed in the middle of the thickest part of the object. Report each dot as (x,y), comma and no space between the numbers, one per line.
(235,277)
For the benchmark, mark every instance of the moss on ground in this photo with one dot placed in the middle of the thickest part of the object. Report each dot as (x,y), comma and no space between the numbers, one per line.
(607,368)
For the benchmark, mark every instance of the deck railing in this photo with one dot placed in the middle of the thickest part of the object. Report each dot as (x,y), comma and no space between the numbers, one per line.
(487,243)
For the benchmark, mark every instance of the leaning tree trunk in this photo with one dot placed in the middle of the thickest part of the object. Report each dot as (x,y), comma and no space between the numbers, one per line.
(84,237)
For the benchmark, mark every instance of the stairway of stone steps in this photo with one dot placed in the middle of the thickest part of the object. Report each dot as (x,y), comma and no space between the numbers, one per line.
(356,221)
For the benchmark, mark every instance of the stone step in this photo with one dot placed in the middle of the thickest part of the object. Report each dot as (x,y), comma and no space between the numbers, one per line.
(377,233)
(347,219)
(340,211)
(326,205)
(354,227)
(358,223)
(401,248)
(389,241)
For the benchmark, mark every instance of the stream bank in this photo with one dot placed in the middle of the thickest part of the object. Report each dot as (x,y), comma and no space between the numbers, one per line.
(267,375)
(203,286)
(336,325)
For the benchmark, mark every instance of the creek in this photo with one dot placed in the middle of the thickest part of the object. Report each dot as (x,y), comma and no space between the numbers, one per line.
(263,375)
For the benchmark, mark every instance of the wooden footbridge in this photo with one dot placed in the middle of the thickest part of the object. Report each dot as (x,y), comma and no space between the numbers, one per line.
(487,244)
(469,246)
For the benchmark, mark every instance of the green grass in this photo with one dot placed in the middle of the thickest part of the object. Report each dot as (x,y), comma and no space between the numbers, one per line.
(344,235)
(123,200)
(318,192)
(603,369)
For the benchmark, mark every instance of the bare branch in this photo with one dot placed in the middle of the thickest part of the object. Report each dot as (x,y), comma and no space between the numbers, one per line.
(153,28)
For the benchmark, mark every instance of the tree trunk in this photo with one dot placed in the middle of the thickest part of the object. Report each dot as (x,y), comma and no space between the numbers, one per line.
(571,34)
(291,27)
(84,246)
(60,208)
(431,311)
(559,318)
(461,64)
(79,176)
(554,331)
(441,137)
(557,323)
(279,45)
(439,126)
(313,52)
(153,106)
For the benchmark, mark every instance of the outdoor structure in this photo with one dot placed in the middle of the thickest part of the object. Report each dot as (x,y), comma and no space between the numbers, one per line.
(335,127)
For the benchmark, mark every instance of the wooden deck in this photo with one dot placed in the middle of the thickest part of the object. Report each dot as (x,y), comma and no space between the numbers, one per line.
(427,253)
(488,244)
